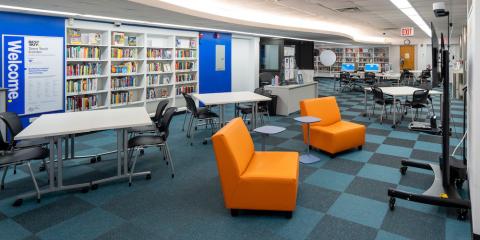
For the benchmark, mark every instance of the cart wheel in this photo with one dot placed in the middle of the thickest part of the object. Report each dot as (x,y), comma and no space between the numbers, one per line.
(204,142)
(142,152)
(173,175)
(148,176)
(403,170)
(38,200)
(93,160)
(85,190)
(99,158)
(462,214)
(94,187)
(392,203)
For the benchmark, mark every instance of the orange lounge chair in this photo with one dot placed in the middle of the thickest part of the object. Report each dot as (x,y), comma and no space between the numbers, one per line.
(254,180)
(331,134)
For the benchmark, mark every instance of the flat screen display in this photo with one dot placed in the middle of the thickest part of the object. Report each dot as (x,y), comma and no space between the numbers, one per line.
(372,67)
(348,67)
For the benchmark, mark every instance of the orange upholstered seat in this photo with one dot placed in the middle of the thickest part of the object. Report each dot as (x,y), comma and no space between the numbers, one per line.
(254,180)
(331,134)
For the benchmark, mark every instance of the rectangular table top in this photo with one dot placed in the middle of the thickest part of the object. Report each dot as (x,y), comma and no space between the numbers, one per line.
(61,124)
(405,91)
(229,97)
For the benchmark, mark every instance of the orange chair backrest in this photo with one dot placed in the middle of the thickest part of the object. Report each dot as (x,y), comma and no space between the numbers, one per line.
(325,108)
(234,149)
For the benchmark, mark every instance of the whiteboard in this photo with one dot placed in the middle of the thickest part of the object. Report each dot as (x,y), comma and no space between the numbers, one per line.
(43,74)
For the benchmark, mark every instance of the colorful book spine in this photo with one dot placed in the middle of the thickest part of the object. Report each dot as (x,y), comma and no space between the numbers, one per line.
(83,52)
(82,69)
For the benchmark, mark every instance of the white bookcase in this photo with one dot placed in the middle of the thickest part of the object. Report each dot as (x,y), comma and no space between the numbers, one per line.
(111,67)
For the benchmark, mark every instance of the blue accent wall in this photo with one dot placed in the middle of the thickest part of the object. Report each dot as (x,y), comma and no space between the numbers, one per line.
(30,25)
(212,81)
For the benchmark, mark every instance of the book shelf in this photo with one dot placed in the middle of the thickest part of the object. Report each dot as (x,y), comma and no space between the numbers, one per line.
(111,67)
(358,55)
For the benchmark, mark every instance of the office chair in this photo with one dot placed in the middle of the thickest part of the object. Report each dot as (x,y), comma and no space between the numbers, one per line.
(14,157)
(370,78)
(424,76)
(407,78)
(419,101)
(380,99)
(189,113)
(157,140)
(209,117)
(157,117)
(262,107)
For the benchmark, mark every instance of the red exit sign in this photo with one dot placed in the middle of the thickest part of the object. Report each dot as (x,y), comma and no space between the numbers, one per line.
(407,32)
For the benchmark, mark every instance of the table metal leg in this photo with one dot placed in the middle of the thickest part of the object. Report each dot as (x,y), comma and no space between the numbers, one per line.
(60,163)
(365,103)
(264,141)
(51,163)
(394,112)
(307,157)
(72,146)
(124,150)
(119,153)
(222,115)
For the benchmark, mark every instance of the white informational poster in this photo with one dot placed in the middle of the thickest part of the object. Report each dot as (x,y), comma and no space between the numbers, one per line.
(43,74)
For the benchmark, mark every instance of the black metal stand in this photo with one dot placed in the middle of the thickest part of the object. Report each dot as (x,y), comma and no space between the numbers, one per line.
(449,174)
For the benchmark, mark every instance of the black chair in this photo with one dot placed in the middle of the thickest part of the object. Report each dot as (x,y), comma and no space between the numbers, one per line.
(407,78)
(157,117)
(370,78)
(189,112)
(203,114)
(158,140)
(14,157)
(262,107)
(425,76)
(380,99)
(419,101)
(345,81)
(14,127)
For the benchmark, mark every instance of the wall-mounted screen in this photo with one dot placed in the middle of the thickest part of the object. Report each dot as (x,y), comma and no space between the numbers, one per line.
(348,67)
(373,67)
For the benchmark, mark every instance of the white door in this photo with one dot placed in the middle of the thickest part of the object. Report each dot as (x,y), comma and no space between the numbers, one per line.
(243,65)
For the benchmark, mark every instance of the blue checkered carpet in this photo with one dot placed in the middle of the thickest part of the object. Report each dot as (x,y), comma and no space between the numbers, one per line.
(340,198)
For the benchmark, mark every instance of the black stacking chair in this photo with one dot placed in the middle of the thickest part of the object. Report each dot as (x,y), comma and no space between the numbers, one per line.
(157,140)
(345,81)
(157,117)
(380,99)
(203,114)
(14,157)
(189,112)
(425,76)
(370,78)
(262,107)
(14,127)
(239,108)
(419,101)
(407,78)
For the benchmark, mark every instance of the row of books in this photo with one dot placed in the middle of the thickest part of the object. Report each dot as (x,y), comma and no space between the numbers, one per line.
(81,69)
(75,36)
(121,39)
(159,67)
(122,97)
(157,93)
(124,53)
(185,89)
(82,85)
(127,67)
(83,52)
(183,65)
(81,103)
(123,82)
(186,53)
(159,53)
(158,79)
(185,77)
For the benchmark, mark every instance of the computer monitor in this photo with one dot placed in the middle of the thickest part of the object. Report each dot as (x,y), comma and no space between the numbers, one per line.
(348,67)
(372,67)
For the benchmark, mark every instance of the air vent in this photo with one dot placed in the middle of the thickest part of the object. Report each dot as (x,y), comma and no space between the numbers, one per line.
(348,10)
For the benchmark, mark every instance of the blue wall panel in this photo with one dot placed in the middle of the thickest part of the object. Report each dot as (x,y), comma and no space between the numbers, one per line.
(212,81)
(31,25)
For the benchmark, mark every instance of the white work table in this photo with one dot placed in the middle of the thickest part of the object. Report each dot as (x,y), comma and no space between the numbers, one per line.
(290,96)
(61,125)
(221,99)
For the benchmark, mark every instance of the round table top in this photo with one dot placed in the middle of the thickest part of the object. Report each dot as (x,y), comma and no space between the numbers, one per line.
(269,129)
(307,119)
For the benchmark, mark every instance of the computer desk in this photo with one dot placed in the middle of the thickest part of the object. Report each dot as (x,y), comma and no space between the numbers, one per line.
(57,126)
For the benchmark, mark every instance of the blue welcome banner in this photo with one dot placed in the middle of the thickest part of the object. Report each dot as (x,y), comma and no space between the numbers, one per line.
(13,73)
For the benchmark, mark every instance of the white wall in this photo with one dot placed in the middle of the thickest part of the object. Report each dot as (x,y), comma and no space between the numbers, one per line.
(394,58)
(245,63)
(473,96)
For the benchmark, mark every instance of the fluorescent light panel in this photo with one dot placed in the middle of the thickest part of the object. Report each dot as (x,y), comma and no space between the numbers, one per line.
(148,23)
(409,10)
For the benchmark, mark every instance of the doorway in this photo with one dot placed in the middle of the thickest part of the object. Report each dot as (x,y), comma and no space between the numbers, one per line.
(407,57)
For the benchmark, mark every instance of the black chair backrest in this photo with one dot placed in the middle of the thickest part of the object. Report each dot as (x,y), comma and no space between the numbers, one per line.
(420,97)
(191,105)
(159,111)
(426,74)
(370,76)
(344,76)
(4,146)
(13,123)
(377,94)
(166,120)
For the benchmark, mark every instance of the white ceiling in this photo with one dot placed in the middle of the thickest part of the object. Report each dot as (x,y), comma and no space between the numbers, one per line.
(374,16)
